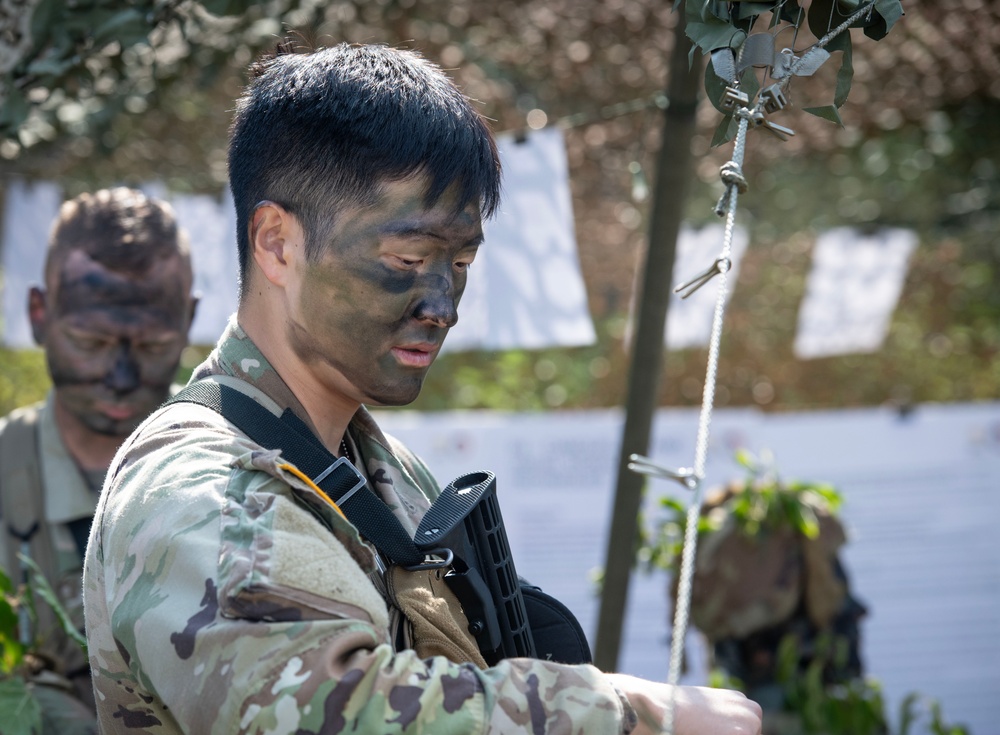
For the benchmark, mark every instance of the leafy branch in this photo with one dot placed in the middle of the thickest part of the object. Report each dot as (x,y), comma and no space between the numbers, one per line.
(855,707)
(62,62)
(20,710)
(724,31)
(762,502)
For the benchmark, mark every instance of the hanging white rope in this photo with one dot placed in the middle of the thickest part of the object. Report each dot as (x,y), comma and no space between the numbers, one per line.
(735,184)
(732,175)
(771,100)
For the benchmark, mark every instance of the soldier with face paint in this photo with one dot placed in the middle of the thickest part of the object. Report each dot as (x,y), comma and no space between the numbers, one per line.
(113,318)
(225,592)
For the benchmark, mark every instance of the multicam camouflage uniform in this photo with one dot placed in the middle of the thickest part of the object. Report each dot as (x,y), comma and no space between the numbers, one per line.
(223,595)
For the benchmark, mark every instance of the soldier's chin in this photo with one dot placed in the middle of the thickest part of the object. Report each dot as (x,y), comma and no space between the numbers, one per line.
(106,426)
(396,395)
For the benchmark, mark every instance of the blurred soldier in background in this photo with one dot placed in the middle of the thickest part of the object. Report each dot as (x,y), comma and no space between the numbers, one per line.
(113,318)
(775,603)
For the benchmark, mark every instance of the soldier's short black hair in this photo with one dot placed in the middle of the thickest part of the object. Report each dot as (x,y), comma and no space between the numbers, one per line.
(120,228)
(321,130)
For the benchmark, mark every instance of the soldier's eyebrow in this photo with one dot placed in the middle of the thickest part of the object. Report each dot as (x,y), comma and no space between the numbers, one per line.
(409,229)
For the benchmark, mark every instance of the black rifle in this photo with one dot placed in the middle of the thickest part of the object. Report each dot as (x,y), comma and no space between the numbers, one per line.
(465,519)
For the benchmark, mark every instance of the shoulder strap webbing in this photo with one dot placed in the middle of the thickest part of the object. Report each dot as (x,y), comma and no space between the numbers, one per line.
(338,478)
(22,495)
(26,531)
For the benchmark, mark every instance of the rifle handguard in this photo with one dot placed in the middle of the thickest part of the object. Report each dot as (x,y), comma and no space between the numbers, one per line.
(466,519)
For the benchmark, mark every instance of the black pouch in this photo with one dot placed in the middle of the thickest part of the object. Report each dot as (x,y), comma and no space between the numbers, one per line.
(557,633)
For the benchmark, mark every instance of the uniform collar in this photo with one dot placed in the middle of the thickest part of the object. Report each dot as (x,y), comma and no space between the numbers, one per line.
(237,355)
(67,495)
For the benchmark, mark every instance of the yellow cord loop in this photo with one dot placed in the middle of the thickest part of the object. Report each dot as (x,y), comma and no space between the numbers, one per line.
(312,485)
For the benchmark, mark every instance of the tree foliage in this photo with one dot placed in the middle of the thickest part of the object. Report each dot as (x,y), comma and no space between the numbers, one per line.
(724,31)
(918,149)
(66,64)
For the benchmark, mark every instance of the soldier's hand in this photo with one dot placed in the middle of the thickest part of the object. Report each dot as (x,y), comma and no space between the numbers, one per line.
(697,710)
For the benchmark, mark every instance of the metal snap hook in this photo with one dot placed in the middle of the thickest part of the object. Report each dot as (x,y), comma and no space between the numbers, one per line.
(645,466)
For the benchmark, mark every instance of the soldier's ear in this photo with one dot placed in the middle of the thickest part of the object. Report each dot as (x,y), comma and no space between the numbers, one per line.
(194,310)
(276,240)
(38,314)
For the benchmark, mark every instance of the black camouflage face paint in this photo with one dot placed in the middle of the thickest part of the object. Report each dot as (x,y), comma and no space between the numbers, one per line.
(113,341)
(376,306)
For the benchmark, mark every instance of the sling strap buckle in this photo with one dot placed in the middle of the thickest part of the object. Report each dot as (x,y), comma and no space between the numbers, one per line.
(341,462)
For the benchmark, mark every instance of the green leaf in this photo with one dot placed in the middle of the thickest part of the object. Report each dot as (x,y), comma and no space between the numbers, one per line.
(11,655)
(705,10)
(822,16)
(14,110)
(790,13)
(44,19)
(227,7)
(714,33)
(128,27)
(825,15)
(827,112)
(725,132)
(825,495)
(51,65)
(673,504)
(749,83)
(41,587)
(19,710)
(720,9)
(11,651)
(746,10)
(715,87)
(8,620)
(787,658)
(745,458)
(804,519)
(907,712)
(845,75)
(696,10)
(887,12)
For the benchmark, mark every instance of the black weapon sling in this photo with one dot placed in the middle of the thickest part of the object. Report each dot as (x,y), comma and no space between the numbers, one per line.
(335,476)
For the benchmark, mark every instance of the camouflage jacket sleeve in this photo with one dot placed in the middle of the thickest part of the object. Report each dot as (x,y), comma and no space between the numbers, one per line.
(221,598)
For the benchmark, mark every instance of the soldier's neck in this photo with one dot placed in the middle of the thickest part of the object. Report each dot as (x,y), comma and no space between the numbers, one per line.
(329,411)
